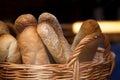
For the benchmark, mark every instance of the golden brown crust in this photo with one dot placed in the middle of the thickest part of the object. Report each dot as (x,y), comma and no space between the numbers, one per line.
(89,26)
(25,20)
(52,42)
(89,50)
(31,47)
(9,50)
(52,20)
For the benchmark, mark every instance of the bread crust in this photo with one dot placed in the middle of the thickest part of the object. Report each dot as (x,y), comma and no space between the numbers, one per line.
(53,22)
(52,42)
(31,47)
(25,20)
(9,50)
(88,27)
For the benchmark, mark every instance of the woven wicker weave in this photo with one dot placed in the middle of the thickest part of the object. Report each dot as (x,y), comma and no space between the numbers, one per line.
(73,70)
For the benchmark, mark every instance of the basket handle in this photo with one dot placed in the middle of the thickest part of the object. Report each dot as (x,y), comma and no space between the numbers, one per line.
(74,56)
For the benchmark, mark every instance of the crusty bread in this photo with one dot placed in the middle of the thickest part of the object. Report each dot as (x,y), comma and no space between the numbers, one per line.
(9,50)
(89,26)
(25,20)
(52,42)
(90,50)
(53,22)
(31,47)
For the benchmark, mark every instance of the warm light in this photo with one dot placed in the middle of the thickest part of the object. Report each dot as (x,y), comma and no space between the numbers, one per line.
(106,26)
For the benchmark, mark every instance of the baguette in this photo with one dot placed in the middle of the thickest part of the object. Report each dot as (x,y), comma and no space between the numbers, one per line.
(50,38)
(25,20)
(52,20)
(89,26)
(9,50)
(90,50)
(31,47)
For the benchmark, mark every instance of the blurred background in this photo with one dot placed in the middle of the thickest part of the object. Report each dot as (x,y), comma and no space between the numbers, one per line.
(65,10)
(67,13)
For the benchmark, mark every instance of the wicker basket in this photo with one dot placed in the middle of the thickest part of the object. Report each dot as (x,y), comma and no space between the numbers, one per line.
(73,70)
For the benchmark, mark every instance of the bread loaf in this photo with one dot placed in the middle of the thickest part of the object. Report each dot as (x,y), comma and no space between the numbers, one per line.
(52,42)
(25,20)
(90,50)
(9,50)
(89,26)
(53,22)
(31,47)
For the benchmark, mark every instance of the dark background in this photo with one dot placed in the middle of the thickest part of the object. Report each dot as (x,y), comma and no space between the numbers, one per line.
(65,10)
